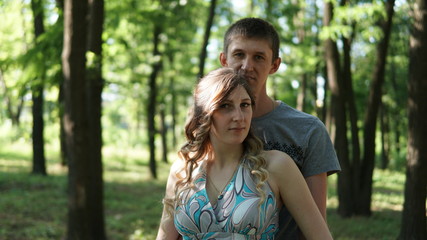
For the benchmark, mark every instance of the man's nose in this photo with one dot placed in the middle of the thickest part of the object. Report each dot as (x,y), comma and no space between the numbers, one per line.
(247,64)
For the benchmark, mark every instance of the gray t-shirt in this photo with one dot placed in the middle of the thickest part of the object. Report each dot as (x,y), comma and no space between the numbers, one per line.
(304,138)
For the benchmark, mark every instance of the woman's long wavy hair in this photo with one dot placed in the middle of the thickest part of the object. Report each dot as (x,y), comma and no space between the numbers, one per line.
(211,91)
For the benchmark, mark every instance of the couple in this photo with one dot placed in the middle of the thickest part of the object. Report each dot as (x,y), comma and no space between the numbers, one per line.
(225,186)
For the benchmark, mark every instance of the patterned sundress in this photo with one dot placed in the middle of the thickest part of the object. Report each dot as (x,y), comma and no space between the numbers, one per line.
(236,214)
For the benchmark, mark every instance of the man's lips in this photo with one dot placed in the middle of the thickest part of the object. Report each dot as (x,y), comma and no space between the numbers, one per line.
(247,75)
(250,77)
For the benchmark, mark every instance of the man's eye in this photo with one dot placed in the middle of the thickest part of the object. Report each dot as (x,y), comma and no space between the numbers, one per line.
(259,57)
(245,105)
(238,55)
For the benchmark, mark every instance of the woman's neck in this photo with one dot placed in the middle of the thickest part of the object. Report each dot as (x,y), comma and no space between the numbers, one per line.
(223,158)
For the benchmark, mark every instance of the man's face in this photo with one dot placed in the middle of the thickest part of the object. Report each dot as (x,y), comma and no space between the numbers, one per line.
(252,57)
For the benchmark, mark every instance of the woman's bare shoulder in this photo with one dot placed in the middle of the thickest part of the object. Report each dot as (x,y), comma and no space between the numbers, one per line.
(279,164)
(277,160)
(177,165)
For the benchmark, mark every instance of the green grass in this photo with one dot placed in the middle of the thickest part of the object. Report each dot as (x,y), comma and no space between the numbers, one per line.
(386,205)
(35,207)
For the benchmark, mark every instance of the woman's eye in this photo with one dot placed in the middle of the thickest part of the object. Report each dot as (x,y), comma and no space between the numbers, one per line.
(224,105)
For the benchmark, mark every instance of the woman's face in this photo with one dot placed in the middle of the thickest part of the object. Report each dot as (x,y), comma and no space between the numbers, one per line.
(232,120)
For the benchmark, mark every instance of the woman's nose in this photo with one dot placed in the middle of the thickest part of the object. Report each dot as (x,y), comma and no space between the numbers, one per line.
(238,115)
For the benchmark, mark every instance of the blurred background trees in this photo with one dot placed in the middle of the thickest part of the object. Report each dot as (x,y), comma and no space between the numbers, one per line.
(346,62)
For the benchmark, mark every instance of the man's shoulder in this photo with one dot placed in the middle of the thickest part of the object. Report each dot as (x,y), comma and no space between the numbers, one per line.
(289,112)
(285,116)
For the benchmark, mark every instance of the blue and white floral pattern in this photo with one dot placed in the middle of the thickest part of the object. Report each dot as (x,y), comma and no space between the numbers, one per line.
(235,216)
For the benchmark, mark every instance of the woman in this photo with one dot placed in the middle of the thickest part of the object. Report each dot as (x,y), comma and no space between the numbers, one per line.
(225,186)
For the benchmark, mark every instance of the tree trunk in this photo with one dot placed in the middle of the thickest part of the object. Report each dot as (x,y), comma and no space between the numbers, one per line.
(318,71)
(203,52)
(61,102)
(75,118)
(173,113)
(394,125)
(173,102)
(302,93)
(298,21)
(62,134)
(325,110)
(414,209)
(368,162)
(345,189)
(152,100)
(385,144)
(95,84)
(269,10)
(39,161)
(350,106)
(163,132)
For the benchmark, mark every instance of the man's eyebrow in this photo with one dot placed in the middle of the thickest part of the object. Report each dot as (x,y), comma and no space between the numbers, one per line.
(236,50)
(261,53)
(241,50)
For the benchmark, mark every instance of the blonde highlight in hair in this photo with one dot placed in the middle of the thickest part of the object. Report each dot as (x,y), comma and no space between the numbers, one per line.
(257,163)
(209,93)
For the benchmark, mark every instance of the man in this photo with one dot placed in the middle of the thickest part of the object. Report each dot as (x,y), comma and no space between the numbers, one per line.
(251,46)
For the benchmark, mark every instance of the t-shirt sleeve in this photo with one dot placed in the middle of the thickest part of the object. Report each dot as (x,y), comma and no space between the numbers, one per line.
(320,155)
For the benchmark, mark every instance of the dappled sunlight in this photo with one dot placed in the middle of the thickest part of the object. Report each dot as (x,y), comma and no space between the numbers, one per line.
(388,190)
(386,206)
(381,225)
(12,165)
(387,193)
(130,165)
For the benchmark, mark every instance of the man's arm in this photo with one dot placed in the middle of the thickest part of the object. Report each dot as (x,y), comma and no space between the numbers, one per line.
(296,195)
(318,188)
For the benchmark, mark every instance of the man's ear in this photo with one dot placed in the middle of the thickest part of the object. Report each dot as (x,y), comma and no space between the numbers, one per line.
(275,66)
(223,59)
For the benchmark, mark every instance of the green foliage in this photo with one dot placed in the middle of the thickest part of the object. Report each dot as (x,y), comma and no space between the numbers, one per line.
(128,57)
(364,16)
(14,42)
(26,62)
(37,55)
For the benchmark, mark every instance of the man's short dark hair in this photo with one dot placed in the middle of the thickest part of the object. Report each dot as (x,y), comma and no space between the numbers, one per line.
(253,28)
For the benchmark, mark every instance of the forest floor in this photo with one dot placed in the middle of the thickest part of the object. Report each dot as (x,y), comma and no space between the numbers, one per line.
(35,207)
